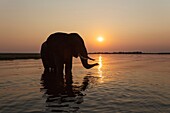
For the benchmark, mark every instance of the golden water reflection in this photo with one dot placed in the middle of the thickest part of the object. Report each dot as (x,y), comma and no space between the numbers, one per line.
(99,69)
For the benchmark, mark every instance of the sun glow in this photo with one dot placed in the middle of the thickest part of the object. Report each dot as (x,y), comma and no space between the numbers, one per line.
(100,39)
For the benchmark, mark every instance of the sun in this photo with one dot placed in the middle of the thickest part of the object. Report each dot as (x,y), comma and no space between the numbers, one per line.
(100,39)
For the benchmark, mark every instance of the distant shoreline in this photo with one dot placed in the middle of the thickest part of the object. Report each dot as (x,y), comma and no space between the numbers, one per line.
(136,52)
(15,56)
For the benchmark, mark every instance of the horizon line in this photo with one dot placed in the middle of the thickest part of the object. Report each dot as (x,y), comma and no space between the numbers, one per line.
(98,52)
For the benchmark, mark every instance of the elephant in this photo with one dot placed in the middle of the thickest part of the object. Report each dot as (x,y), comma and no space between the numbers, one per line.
(59,49)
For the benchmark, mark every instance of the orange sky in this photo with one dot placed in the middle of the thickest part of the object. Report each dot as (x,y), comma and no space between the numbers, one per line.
(126,25)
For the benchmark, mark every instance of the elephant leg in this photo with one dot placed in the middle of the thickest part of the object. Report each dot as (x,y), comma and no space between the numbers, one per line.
(59,71)
(68,72)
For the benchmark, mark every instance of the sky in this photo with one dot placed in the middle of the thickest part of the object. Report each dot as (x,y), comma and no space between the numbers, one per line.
(125,25)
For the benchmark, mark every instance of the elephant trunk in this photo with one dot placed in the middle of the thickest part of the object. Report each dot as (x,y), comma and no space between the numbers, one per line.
(85,63)
(84,58)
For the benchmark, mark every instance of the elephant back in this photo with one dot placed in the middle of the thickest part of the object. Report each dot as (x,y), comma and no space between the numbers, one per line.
(58,44)
(56,39)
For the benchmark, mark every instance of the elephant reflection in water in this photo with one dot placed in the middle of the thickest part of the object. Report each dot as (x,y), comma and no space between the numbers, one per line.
(62,97)
(58,50)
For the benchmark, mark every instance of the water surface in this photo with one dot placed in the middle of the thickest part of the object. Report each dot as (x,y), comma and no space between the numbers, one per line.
(120,84)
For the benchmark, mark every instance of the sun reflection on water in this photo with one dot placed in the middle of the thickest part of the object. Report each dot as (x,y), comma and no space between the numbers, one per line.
(99,68)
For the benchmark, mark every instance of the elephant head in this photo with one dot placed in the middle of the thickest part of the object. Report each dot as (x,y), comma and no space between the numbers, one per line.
(80,50)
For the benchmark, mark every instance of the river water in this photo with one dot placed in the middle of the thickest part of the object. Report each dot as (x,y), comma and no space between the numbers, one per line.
(120,84)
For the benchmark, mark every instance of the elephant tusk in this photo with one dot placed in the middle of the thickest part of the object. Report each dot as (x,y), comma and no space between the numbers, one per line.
(83,57)
(86,58)
(90,58)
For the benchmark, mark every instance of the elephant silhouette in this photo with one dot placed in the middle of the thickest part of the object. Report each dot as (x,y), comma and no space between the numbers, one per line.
(57,51)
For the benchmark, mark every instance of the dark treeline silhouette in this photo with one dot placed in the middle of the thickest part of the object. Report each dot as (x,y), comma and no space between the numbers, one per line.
(15,56)
(135,52)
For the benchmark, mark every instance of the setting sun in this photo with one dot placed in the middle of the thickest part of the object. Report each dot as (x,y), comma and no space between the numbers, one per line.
(100,39)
